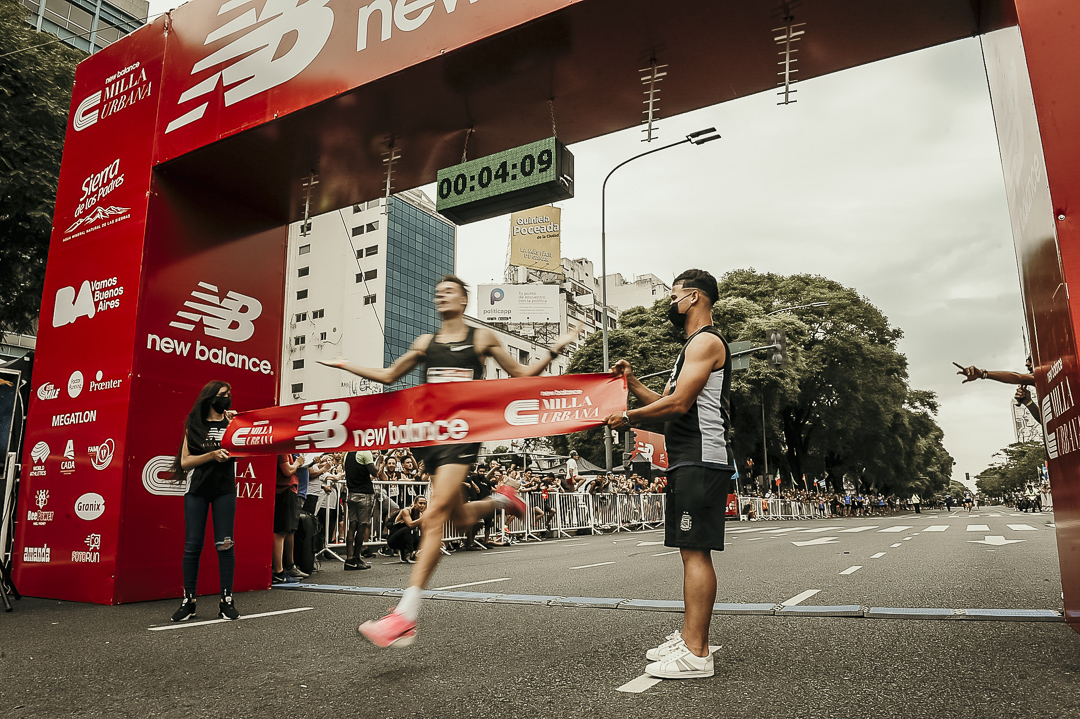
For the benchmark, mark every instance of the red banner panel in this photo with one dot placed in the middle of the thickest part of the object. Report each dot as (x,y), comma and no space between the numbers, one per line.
(446,412)
(650,447)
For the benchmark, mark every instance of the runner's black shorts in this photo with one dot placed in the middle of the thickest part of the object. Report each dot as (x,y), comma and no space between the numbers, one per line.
(440,454)
(696,505)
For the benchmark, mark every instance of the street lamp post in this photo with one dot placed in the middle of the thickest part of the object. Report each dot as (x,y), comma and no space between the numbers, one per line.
(697,138)
(764,438)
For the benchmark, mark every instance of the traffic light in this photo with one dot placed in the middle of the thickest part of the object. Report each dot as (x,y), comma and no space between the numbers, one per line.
(779,342)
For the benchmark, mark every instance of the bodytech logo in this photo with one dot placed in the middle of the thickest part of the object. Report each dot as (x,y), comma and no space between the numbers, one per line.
(261,66)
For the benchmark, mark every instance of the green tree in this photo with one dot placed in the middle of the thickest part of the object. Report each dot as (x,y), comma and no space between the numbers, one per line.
(1019,465)
(840,408)
(35,93)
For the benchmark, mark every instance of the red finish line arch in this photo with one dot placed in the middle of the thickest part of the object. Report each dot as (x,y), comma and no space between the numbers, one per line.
(188,142)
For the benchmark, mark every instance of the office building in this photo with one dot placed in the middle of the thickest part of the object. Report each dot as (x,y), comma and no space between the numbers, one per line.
(642,291)
(89,25)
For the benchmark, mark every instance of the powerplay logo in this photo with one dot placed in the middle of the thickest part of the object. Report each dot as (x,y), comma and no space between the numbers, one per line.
(256,63)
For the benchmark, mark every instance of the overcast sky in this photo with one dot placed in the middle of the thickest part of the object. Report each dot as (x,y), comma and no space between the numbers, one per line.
(885,178)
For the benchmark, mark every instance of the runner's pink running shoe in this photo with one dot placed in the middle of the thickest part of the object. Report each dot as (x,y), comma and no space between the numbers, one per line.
(511,503)
(393,630)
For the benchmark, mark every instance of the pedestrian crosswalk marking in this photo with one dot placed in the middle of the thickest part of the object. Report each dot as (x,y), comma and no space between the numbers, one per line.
(861,529)
(937,528)
(895,530)
(1021,528)
(879,555)
(820,529)
(852,570)
(978,528)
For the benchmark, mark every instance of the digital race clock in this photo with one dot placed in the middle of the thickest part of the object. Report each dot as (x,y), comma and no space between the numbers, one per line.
(516,179)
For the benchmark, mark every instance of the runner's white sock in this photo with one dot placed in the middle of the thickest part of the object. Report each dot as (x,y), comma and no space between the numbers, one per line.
(409,606)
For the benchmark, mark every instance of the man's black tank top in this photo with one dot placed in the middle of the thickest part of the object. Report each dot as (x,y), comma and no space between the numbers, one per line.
(702,436)
(452,362)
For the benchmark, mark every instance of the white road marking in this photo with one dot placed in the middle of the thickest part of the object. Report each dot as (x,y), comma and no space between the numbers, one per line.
(503,551)
(648,544)
(879,555)
(894,546)
(783,531)
(801,597)
(937,528)
(663,554)
(862,529)
(993,515)
(895,530)
(471,584)
(746,531)
(995,541)
(557,541)
(852,570)
(636,686)
(1051,525)
(819,529)
(978,528)
(754,539)
(907,539)
(815,542)
(630,539)
(1021,528)
(586,566)
(185,625)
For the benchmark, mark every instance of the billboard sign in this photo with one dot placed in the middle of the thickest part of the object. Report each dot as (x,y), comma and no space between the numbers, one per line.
(536,238)
(518,303)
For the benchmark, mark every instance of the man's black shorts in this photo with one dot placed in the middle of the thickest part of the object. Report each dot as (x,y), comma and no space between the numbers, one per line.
(696,505)
(440,454)
(286,512)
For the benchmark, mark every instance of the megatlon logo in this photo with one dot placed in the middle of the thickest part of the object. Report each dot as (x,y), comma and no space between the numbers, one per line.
(231,318)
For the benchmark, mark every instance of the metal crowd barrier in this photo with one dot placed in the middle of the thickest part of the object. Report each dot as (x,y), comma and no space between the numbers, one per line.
(560,514)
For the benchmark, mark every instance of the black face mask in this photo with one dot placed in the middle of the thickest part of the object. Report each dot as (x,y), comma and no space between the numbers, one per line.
(678,319)
(221,404)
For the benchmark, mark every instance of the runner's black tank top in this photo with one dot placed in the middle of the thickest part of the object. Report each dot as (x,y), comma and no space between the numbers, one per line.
(452,362)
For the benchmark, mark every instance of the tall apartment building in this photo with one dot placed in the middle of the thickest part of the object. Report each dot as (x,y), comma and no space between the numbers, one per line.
(89,25)
(359,285)
(642,291)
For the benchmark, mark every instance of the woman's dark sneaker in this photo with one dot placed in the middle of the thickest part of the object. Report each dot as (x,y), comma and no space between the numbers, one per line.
(226,608)
(186,610)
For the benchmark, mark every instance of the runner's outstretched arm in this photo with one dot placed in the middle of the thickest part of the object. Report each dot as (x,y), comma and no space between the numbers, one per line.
(487,344)
(388,375)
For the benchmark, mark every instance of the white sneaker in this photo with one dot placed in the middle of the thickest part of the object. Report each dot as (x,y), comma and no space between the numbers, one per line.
(670,642)
(681,664)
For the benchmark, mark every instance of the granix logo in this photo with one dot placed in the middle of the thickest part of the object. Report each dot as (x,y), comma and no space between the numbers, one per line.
(261,66)
(232,318)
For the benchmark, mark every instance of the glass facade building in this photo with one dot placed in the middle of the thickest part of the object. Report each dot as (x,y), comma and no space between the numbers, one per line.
(420,251)
(88,25)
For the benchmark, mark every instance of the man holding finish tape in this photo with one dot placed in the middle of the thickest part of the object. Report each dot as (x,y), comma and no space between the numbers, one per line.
(696,407)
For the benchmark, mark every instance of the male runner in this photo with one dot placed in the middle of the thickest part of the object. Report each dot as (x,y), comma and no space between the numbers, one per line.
(696,407)
(455,353)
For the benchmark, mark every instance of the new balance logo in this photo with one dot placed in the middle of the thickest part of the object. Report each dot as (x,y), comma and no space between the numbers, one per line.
(232,318)
(259,67)
(325,426)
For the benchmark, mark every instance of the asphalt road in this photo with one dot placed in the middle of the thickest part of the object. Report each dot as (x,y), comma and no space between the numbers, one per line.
(488,659)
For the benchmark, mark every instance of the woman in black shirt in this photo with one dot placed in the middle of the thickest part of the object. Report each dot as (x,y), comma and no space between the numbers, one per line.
(211,486)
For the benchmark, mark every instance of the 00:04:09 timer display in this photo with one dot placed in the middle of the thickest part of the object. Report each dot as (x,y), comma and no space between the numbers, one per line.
(463,183)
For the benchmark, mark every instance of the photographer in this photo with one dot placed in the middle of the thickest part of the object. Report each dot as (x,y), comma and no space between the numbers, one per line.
(405,532)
